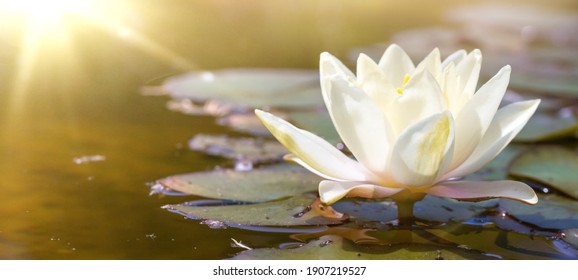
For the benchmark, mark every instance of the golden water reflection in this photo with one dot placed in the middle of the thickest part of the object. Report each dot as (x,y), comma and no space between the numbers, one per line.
(69,87)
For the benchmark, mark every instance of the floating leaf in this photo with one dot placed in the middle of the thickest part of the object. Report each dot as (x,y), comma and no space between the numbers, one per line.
(262,184)
(293,211)
(550,165)
(367,211)
(333,247)
(497,169)
(249,149)
(431,208)
(545,127)
(317,122)
(440,209)
(547,214)
(252,88)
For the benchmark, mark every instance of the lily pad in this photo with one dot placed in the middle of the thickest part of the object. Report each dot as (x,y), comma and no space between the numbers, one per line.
(317,122)
(497,169)
(247,87)
(262,184)
(547,214)
(333,247)
(546,127)
(293,211)
(431,208)
(440,209)
(249,149)
(550,165)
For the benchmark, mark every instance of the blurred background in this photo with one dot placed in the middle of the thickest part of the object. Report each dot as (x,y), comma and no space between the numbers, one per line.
(80,144)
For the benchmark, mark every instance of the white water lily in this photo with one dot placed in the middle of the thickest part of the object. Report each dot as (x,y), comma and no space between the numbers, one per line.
(410,128)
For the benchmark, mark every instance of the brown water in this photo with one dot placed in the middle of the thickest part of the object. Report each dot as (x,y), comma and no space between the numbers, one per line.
(78,95)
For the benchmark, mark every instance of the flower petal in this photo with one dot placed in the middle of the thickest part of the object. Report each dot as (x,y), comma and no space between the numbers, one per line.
(395,64)
(469,71)
(476,116)
(361,124)
(330,66)
(454,58)
(331,191)
(504,127)
(318,154)
(431,63)
(422,149)
(421,98)
(476,190)
(374,82)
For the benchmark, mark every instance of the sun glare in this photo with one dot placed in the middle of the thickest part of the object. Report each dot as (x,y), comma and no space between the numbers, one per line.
(45,29)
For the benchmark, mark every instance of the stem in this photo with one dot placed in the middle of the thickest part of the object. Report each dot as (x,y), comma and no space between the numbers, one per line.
(405,213)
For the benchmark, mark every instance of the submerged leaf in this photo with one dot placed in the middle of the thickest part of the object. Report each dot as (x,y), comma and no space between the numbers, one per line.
(249,149)
(333,247)
(293,211)
(252,88)
(547,214)
(551,165)
(262,184)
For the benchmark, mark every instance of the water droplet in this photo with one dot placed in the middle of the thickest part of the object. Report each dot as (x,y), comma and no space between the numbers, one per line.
(214,224)
(325,243)
(340,146)
(243,165)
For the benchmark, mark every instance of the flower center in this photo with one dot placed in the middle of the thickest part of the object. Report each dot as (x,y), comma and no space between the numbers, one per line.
(405,80)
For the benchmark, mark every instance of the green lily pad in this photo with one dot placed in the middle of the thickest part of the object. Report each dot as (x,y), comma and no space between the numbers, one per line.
(251,88)
(441,209)
(497,169)
(367,211)
(431,208)
(262,184)
(546,214)
(546,127)
(247,149)
(317,122)
(293,211)
(550,165)
(333,247)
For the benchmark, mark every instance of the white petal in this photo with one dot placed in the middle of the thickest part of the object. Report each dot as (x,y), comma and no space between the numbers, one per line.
(431,63)
(395,64)
(318,154)
(330,66)
(421,98)
(449,86)
(422,149)
(331,191)
(361,124)
(469,71)
(454,58)
(374,82)
(476,190)
(476,116)
(504,127)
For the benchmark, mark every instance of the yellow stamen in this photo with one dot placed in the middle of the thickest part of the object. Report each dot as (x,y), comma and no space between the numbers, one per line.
(405,80)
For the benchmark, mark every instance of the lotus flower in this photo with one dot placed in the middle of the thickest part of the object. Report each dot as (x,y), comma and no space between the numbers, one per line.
(410,128)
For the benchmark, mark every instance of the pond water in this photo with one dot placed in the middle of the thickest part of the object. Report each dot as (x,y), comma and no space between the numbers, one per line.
(80,145)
